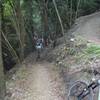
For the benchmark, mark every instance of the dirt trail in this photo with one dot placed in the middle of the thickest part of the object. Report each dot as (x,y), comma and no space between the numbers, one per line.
(89,27)
(41,81)
(45,85)
(37,82)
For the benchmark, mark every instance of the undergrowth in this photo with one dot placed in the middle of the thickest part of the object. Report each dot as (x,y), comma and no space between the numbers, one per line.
(92,51)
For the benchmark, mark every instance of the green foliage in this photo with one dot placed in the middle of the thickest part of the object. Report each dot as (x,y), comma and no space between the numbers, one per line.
(93,49)
(19,30)
(7,9)
(88,6)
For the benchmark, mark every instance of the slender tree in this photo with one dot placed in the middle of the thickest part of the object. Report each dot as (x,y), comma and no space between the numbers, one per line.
(2,79)
(77,9)
(45,16)
(62,28)
(71,11)
(20,29)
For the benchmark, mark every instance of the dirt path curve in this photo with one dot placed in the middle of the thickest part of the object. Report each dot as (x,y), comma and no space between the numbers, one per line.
(89,27)
(37,82)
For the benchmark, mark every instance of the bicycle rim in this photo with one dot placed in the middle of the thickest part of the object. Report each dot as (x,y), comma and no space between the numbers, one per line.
(76,89)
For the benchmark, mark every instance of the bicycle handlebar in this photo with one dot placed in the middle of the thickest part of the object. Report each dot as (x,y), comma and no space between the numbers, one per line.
(86,91)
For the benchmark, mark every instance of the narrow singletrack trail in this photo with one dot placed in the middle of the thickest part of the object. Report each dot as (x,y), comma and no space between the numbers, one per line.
(42,82)
(44,87)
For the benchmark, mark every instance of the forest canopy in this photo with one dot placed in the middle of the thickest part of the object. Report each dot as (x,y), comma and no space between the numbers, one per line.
(22,19)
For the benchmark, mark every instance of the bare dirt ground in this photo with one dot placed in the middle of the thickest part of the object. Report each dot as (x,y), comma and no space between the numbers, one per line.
(89,27)
(39,81)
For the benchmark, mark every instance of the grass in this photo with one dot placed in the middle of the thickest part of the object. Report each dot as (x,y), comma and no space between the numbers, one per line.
(93,49)
(89,53)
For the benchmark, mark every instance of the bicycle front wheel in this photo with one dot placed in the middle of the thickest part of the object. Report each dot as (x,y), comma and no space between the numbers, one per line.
(76,90)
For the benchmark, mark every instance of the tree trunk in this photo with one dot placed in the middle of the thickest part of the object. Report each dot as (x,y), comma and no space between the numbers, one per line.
(20,28)
(71,12)
(60,21)
(2,79)
(45,18)
(77,9)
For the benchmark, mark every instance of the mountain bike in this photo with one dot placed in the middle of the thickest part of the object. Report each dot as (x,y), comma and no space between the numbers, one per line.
(82,91)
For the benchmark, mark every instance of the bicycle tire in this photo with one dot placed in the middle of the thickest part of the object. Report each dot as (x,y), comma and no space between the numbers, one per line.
(73,94)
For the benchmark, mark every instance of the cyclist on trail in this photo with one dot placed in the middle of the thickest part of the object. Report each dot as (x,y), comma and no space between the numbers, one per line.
(39,46)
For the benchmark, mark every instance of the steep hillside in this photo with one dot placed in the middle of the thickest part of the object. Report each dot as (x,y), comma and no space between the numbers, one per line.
(84,49)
